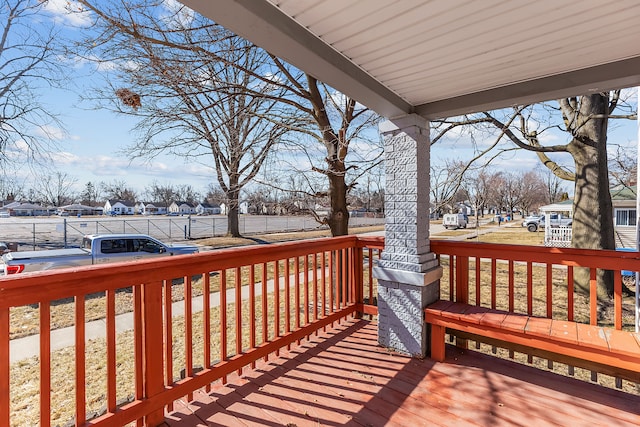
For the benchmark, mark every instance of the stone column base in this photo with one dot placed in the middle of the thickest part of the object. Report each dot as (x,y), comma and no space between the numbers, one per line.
(402,297)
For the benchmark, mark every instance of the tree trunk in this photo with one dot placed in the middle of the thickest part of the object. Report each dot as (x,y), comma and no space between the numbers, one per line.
(233,222)
(592,207)
(338,218)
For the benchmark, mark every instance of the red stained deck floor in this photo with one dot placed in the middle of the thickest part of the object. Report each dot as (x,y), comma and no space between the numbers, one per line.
(343,378)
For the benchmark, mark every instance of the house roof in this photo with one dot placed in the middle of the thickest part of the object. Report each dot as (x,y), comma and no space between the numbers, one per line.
(127,203)
(27,207)
(442,58)
(624,193)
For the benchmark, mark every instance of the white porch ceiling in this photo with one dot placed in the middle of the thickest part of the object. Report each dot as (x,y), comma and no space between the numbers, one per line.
(442,58)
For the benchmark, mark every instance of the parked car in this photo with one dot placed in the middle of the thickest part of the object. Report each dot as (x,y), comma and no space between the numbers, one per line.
(4,214)
(459,220)
(534,222)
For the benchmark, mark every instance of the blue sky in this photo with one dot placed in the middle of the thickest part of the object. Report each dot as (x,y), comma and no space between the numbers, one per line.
(89,151)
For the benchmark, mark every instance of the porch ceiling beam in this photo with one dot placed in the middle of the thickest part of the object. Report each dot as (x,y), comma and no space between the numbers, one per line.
(615,75)
(267,26)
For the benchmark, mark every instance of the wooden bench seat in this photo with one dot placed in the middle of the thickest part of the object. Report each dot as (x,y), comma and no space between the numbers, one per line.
(606,350)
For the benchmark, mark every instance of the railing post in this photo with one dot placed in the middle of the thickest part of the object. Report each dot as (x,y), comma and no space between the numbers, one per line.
(153,345)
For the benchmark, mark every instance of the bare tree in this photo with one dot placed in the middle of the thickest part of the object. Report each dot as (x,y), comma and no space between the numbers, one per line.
(338,120)
(481,185)
(118,190)
(11,188)
(54,189)
(91,195)
(554,187)
(161,193)
(623,168)
(585,120)
(445,185)
(194,88)
(29,65)
(534,191)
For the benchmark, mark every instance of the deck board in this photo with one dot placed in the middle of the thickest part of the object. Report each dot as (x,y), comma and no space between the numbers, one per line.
(343,378)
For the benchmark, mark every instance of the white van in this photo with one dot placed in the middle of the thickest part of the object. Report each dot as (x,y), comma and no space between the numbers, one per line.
(454,221)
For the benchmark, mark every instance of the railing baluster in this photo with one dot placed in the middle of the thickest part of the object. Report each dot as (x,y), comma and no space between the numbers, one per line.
(238,306)
(252,310)
(276,299)
(4,367)
(314,266)
(287,297)
(45,364)
(265,306)
(478,266)
(512,289)
(138,352)
(153,363)
(331,280)
(306,289)
(111,350)
(223,319)
(617,300)
(323,266)
(370,271)
(296,294)
(344,282)
(80,365)
(549,297)
(593,297)
(494,284)
(570,308)
(452,277)
(188,329)
(206,322)
(529,288)
(168,334)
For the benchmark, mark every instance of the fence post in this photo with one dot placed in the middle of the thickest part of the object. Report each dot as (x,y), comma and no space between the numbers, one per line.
(65,231)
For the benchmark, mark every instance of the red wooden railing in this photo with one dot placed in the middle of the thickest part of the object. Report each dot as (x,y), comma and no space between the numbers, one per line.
(176,348)
(182,337)
(532,279)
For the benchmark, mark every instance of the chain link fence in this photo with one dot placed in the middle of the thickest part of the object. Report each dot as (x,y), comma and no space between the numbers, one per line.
(49,233)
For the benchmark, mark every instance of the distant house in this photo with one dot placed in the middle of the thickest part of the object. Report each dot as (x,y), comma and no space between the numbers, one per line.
(28,209)
(623,199)
(155,208)
(242,209)
(208,209)
(181,208)
(119,207)
(79,209)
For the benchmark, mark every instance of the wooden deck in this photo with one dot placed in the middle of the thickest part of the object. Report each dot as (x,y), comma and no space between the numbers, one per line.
(343,378)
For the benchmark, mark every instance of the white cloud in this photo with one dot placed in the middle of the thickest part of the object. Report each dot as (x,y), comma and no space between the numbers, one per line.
(176,15)
(68,12)
(51,132)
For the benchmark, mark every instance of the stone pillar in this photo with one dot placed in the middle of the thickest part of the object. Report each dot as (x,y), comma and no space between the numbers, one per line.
(408,273)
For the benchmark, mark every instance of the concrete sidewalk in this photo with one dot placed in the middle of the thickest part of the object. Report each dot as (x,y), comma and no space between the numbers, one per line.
(26,347)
